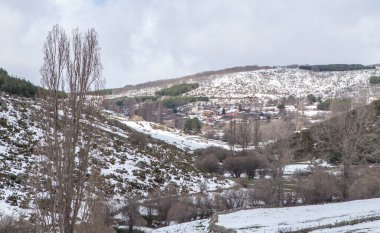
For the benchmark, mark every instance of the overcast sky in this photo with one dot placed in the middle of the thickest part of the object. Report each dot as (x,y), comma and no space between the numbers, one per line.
(144,40)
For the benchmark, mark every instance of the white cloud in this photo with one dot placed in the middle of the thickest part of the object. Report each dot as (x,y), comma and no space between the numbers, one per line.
(145,40)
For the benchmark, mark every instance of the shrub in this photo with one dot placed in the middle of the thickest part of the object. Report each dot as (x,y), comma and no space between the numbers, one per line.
(208,163)
(218,152)
(311,99)
(324,105)
(138,138)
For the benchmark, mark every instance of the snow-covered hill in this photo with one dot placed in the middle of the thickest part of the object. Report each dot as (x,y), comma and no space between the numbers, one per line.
(353,216)
(275,83)
(130,163)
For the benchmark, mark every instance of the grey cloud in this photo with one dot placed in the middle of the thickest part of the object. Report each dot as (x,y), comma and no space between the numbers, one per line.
(146,40)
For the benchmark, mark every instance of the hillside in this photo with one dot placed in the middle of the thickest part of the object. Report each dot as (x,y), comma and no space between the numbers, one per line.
(131,162)
(267,84)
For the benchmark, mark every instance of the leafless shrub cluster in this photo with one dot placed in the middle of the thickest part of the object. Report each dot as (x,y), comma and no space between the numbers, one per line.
(318,187)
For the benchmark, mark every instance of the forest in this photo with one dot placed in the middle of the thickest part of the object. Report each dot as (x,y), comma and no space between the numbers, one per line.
(16,86)
(335,67)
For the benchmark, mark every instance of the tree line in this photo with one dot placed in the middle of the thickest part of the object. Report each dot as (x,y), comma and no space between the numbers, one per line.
(16,86)
(335,67)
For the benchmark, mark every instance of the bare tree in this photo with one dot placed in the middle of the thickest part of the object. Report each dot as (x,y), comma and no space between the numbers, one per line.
(278,154)
(131,211)
(244,134)
(256,135)
(230,135)
(162,201)
(252,162)
(342,135)
(67,188)
(235,165)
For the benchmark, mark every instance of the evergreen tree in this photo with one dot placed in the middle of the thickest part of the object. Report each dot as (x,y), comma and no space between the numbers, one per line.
(192,126)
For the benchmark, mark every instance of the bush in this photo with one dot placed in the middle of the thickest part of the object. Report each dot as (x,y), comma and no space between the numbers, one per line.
(218,152)
(138,138)
(324,105)
(311,99)
(208,163)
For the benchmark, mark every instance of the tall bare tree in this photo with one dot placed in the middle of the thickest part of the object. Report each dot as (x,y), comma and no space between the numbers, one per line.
(278,153)
(256,135)
(244,133)
(230,134)
(71,69)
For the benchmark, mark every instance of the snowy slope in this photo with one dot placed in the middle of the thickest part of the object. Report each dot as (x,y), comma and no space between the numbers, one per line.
(129,167)
(171,136)
(293,219)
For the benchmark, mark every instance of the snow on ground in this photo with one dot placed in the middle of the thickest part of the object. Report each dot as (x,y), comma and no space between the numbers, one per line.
(174,137)
(369,227)
(305,166)
(290,219)
(300,217)
(199,226)
(293,168)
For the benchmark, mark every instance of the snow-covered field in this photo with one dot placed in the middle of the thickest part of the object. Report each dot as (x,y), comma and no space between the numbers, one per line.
(300,217)
(293,218)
